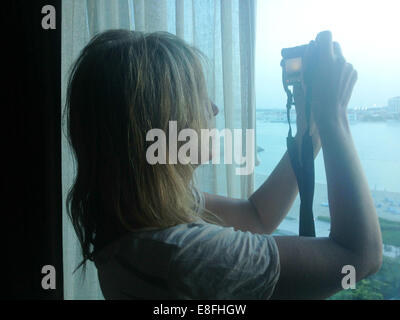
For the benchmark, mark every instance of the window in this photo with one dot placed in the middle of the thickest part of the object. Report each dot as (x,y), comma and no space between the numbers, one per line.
(367,32)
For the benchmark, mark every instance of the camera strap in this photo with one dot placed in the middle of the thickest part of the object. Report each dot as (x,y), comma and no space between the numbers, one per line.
(303,165)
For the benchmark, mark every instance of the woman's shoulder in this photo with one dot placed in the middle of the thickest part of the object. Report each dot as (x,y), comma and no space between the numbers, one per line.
(198,234)
(143,236)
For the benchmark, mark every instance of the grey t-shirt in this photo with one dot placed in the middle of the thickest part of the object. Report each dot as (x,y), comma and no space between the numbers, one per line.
(197,260)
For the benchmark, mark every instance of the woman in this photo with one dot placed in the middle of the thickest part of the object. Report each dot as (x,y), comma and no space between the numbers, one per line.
(152,234)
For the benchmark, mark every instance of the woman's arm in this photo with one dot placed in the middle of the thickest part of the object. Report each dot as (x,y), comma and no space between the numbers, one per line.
(312,267)
(267,206)
(274,198)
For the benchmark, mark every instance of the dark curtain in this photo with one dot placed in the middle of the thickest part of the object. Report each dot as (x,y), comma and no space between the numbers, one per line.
(31,209)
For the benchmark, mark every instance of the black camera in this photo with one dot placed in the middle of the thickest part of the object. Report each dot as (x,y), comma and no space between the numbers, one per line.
(293,64)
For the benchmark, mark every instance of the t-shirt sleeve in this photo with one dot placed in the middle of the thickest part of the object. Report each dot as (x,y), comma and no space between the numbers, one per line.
(216,262)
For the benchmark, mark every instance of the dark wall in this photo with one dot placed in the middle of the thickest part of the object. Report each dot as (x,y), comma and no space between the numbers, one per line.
(31,210)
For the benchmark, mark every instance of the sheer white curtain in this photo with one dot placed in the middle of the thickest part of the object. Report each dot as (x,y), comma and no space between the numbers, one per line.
(222,29)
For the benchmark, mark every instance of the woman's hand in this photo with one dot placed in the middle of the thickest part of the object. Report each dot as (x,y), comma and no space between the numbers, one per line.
(301,121)
(332,82)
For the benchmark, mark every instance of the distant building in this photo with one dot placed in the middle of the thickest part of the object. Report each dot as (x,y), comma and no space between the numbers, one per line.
(275,115)
(394,105)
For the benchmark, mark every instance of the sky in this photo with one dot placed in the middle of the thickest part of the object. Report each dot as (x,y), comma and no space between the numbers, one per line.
(367,30)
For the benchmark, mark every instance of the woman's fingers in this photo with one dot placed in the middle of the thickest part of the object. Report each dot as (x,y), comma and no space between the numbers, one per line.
(337,49)
(334,79)
(325,45)
(348,76)
(349,87)
(338,52)
(344,77)
(298,93)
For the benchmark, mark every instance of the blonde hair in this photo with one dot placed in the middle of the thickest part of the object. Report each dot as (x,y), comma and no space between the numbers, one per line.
(124,84)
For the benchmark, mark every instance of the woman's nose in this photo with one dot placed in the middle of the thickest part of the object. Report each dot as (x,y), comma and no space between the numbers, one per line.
(214,108)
